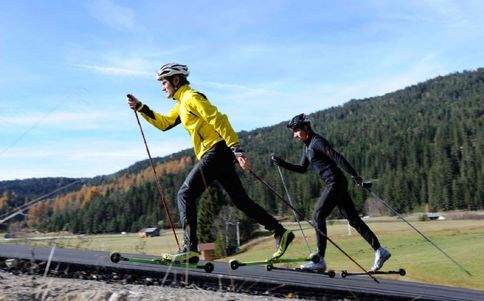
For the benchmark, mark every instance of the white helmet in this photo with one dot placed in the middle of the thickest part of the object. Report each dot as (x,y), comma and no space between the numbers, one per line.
(172,69)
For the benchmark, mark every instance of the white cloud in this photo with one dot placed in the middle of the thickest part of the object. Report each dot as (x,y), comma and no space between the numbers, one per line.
(425,68)
(52,118)
(121,63)
(81,158)
(117,70)
(230,86)
(266,107)
(457,20)
(113,15)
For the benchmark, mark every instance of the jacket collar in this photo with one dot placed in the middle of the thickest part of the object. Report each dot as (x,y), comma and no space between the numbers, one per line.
(310,138)
(180,92)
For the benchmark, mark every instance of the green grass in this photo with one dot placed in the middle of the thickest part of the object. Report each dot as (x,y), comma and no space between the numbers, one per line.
(463,240)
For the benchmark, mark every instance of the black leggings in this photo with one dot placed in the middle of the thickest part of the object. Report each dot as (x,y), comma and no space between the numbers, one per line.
(217,164)
(337,195)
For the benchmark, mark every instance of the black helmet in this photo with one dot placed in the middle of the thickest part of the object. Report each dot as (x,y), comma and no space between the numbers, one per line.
(298,121)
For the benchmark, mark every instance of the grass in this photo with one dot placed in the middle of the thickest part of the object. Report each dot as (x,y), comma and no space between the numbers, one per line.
(463,240)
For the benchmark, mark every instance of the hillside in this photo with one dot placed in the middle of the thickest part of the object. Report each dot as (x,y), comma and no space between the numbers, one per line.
(423,144)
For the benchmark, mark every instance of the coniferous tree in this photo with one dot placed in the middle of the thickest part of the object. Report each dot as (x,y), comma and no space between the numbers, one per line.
(209,207)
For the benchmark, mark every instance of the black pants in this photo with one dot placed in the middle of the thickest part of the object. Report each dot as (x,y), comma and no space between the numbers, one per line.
(337,195)
(217,164)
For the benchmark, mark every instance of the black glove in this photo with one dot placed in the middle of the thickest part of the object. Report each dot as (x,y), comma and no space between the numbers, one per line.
(133,102)
(236,149)
(360,182)
(275,160)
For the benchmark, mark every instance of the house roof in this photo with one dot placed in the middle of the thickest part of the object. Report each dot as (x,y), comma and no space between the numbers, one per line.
(148,230)
(206,246)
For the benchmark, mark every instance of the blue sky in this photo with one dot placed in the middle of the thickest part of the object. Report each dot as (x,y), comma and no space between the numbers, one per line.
(67,65)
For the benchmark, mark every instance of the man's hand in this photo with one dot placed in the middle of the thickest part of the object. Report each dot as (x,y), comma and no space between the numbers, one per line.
(133,102)
(240,156)
(243,161)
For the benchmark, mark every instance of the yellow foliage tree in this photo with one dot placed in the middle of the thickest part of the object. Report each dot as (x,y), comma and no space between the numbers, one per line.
(3,199)
(37,212)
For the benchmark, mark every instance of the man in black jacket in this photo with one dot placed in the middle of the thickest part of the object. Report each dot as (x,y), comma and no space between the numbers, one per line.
(327,162)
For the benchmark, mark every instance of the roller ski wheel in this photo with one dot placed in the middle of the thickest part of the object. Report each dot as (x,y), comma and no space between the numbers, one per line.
(208,267)
(116,257)
(234,264)
(344,274)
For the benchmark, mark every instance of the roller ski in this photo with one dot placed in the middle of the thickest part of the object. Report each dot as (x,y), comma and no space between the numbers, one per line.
(166,259)
(235,264)
(400,272)
(270,264)
(283,240)
(329,273)
(381,255)
(316,265)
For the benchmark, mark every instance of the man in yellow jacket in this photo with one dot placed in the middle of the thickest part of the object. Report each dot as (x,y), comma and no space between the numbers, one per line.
(216,146)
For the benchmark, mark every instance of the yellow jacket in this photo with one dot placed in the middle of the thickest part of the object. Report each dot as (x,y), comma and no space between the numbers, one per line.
(203,122)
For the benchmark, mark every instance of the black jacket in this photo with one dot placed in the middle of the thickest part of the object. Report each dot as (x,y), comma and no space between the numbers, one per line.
(324,159)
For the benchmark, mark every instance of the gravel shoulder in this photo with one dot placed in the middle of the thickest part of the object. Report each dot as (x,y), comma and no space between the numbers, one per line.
(26,287)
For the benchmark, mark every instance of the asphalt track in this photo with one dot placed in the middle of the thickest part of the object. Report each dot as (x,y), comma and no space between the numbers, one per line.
(246,279)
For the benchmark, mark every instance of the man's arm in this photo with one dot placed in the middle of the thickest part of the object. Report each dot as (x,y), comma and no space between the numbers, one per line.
(301,168)
(163,122)
(323,146)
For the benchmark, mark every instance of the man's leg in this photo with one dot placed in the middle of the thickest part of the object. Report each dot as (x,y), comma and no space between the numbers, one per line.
(194,185)
(230,181)
(322,210)
(348,210)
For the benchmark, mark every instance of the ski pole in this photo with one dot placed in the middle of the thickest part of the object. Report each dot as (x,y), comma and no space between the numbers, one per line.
(158,186)
(413,227)
(309,222)
(292,204)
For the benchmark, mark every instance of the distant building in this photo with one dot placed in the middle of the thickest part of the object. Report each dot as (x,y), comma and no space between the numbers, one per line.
(207,251)
(149,232)
(433,216)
